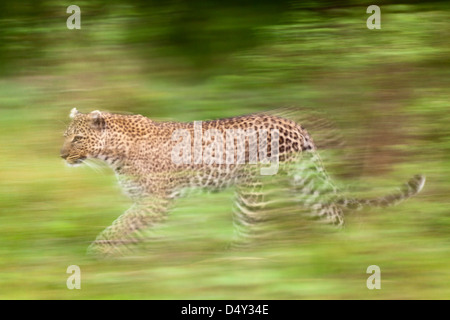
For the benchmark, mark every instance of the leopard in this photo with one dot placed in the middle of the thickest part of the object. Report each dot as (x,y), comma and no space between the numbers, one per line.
(158,162)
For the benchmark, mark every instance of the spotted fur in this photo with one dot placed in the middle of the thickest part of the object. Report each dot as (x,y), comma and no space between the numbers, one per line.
(139,150)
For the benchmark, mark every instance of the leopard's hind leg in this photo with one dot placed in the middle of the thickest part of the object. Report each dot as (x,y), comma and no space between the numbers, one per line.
(313,189)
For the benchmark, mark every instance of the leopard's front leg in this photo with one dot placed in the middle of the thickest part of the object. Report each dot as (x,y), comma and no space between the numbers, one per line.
(126,231)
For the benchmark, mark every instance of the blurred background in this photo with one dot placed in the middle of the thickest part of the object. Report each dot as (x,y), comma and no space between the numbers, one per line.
(386,91)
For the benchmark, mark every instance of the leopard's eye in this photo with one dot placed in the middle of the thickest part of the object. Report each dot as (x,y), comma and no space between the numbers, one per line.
(77,138)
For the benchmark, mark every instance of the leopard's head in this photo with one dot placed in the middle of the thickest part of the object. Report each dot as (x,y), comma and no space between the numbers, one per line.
(83,137)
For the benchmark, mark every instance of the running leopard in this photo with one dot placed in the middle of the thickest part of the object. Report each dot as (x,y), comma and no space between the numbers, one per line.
(155,162)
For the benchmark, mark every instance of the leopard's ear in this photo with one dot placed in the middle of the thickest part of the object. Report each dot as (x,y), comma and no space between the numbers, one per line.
(73,113)
(97,120)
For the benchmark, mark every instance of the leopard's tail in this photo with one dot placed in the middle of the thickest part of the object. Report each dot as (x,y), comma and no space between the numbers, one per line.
(409,189)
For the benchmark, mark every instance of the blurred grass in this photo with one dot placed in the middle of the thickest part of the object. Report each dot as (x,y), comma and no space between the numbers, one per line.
(386,89)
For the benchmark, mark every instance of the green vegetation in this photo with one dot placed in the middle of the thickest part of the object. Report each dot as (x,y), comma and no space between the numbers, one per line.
(386,90)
